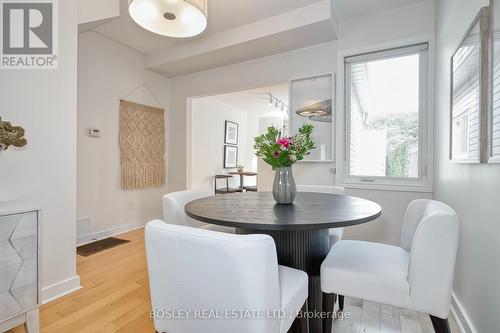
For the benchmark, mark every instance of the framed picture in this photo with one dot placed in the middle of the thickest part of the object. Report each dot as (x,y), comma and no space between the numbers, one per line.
(231,133)
(230,157)
(471,93)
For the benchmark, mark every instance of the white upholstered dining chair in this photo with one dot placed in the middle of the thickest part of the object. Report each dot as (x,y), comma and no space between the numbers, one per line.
(173,209)
(335,233)
(417,275)
(202,274)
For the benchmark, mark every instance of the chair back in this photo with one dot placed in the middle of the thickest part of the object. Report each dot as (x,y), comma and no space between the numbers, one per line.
(197,270)
(173,206)
(321,189)
(430,233)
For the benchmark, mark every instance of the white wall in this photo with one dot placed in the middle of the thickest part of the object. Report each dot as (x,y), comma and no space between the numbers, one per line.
(378,29)
(401,23)
(95,10)
(261,72)
(43,174)
(108,72)
(472,190)
(207,130)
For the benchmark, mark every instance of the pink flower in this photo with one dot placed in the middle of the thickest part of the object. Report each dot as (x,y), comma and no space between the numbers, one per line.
(284,142)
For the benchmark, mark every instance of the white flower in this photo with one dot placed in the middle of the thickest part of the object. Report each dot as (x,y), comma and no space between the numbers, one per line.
(299,141)
(293,158)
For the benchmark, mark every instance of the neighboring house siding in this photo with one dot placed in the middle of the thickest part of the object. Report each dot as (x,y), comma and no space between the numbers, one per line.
(495,148)
(359,81)
(466,104)
(356,128)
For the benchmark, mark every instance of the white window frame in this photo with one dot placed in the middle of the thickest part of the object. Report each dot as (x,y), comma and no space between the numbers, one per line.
(424,183)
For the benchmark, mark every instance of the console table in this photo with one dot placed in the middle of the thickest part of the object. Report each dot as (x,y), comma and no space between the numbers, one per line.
(242,175)
(19,277)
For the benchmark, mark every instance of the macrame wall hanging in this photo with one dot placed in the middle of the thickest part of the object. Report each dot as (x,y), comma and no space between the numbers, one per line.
(142,145)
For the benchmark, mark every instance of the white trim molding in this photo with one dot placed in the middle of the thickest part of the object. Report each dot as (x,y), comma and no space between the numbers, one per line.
(92,237)
(60,289)
(461,317)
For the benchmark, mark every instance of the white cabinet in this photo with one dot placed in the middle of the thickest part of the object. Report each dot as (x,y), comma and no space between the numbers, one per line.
(19,253)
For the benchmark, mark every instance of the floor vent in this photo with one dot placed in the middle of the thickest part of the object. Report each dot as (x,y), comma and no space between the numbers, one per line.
(99,246)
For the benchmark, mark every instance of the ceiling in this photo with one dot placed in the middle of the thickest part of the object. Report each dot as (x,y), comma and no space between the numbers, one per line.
(222,15)
(256,100)
(238,30)
(347,9)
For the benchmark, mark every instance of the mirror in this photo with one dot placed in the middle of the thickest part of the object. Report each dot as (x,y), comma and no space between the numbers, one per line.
(469,93)
(311,102)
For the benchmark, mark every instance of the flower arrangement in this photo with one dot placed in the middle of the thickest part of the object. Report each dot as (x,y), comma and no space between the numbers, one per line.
(279,151)
(11,135)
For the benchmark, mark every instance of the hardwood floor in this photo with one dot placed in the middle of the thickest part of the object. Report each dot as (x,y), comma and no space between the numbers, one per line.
(115,298)
(370,317)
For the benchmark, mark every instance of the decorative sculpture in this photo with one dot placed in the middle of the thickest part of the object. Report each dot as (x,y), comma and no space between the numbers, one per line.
(11,135)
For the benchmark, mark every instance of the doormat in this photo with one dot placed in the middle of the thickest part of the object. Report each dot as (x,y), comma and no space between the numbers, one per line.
(99,246)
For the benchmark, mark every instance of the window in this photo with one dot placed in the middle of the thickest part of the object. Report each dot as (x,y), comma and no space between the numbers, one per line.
(461,136)
(386,113)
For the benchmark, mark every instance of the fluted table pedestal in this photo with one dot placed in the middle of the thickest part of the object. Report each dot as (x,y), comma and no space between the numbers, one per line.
(304,250)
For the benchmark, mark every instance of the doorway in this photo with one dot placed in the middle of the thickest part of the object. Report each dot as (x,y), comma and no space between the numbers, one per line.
(221,133)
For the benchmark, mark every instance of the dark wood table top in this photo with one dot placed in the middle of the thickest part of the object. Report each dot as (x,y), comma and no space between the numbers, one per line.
(259,211)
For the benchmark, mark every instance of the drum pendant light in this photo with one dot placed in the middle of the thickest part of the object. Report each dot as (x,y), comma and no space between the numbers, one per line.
(172,18)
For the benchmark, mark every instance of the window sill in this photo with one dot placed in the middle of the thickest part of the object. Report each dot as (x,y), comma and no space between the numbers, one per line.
(388,187)
(464,161)
(316,162)
(494,160)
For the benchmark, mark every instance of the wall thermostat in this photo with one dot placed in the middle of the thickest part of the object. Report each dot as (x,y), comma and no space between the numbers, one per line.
(94,132)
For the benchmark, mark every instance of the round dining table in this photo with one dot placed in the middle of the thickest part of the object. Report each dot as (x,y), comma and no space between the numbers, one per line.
(300,230)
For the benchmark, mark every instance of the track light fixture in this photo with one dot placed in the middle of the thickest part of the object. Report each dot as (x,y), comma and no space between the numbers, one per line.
(277,103)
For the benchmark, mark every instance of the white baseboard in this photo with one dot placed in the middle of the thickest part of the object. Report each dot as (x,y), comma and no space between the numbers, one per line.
(60,289)
(72,284)
(84,239)
(461,317)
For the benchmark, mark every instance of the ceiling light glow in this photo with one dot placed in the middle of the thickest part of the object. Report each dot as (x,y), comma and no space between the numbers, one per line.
(172,18)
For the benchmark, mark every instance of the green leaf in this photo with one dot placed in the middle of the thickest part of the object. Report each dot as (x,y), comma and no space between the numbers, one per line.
(272,162)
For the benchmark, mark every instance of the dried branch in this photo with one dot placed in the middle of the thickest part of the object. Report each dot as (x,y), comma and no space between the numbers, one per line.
(11,135)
